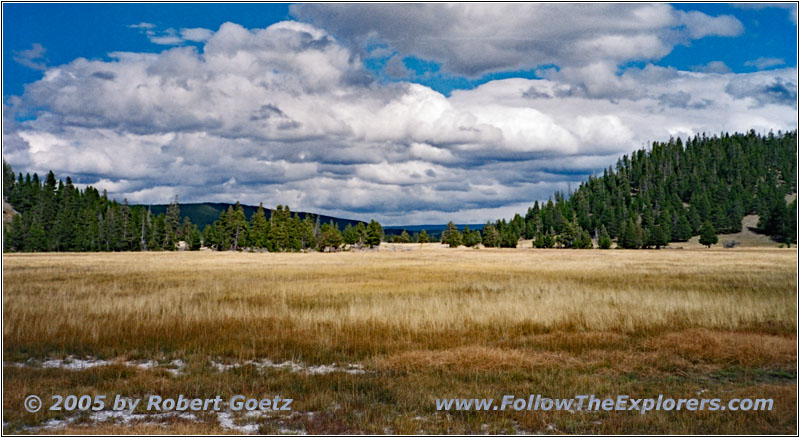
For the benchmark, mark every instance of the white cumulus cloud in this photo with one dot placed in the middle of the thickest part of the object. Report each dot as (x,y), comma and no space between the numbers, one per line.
(289,114)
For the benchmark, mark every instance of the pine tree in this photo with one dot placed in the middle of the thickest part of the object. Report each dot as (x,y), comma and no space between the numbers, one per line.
(682,230)
(259,227)
(15,234)
(349,235)
(308,236)
(37,238)
(603,239)
(374,234)
(657,237)
(630,238)
(404,237)
(451,236)
(584,240)
(330,237)
(491,237)
(423,237)
(172,223)
(708,236)
(361,232)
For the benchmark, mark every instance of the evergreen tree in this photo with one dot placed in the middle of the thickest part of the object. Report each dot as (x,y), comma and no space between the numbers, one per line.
(14,236)
(544,240)
(208,236)
(491,237)
(361,232)
(309,235)
(259,228)
(172,224)
(584,240)
(349,235)
(374,234)
(404,237)
(471,238)
(37,239)
(682,230)
(195,239)
(603,239)
(707,235)
(630,237)
(423,237)
(657,237)
(331,239)
(451,236)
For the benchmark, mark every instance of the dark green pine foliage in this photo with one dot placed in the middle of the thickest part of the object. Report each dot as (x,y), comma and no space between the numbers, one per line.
(57,216)
(374,234)
(668,192)
(603,239)
(330,237)
(284,232)
(707,235)
(451,236)
(491,238)
(470,238)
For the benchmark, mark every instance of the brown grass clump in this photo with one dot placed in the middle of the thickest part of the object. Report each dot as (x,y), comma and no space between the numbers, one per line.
(469,359)
(734,348)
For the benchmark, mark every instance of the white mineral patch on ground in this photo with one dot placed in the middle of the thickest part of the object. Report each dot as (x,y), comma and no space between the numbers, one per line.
(295,367)
(73,363)
(177,366)
(226,420)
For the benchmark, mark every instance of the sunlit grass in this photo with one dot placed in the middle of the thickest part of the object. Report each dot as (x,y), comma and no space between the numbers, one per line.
(433,320)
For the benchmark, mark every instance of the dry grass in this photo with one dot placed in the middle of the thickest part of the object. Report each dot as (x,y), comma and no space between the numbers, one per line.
(443,323)
(746,237)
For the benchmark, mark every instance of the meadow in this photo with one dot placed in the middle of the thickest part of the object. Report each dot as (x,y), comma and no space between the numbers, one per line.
(364,342)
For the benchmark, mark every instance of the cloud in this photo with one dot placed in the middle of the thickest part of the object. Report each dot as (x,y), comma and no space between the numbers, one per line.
(172,37)
(764,63)
(713,67)
(290,115)
(475,39)
(168,37)
(396,68)
(104,75)
(196,34)
(142,25)
(790,7)
(764,90)
(700,25)
(32,58)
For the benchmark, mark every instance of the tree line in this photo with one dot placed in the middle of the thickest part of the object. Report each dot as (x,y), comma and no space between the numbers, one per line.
(54,215)
(284,231)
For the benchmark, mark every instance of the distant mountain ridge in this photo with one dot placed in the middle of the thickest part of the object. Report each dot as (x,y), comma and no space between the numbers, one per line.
(205,213)
(431,229)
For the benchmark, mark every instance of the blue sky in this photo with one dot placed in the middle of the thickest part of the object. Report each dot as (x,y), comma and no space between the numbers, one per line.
(408,113)
(69,31)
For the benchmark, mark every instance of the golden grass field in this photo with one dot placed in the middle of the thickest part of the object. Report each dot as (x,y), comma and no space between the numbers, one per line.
(423,323)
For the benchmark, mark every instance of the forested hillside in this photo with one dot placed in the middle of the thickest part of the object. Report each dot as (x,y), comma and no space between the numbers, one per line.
(668,193)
